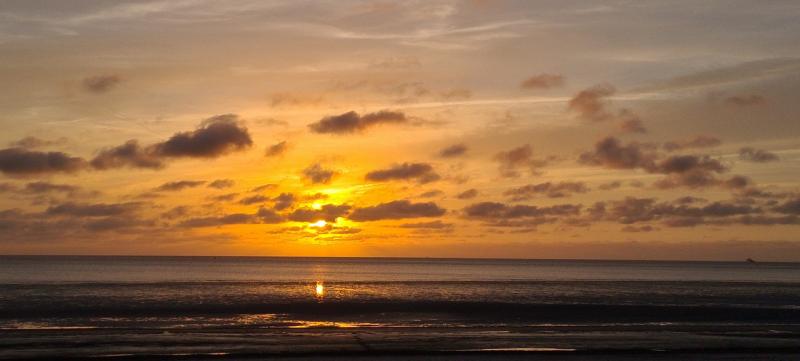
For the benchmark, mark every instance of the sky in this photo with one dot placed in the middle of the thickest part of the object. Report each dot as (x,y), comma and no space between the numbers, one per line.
(507,129)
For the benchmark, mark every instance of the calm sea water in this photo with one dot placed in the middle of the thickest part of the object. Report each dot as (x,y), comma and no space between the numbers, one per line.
(70,295)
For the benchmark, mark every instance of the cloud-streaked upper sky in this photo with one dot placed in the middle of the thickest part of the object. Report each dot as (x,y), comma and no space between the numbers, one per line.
(532,129)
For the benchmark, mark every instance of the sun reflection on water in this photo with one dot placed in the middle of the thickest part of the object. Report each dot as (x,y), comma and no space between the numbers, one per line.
(319,290)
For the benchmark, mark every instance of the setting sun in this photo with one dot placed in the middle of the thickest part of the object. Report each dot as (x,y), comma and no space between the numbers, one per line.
(319,224)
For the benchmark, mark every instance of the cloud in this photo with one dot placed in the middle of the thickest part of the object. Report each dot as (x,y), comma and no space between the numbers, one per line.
(700,141)
(277,149)
(130,154)
(610,185)
(630,122)
(264,187)
(468,194)
(284,201)
(34,142)
(224,197)
(438,226)
(178,185)
(499,211)
(351,122)
(610,153)
(672,214)
(745,100)
(222,183)
(590,104)
(397,210)
(47,187)
(253,199)
(216,136)
(319,175)
(789,207)
(22,162)
(431,194)
(552,190)
(93,210)
(235,218)
(519,157)
(327,212)
(454,150)
(543,81)
(757,155)
(269,216)
(101,83)
(421,172)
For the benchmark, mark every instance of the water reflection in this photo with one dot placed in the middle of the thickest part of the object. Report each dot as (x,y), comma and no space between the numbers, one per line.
(319,290)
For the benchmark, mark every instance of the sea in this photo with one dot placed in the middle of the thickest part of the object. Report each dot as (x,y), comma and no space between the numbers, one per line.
(75,307)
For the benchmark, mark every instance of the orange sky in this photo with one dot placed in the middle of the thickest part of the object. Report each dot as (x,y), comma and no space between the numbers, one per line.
(524,129)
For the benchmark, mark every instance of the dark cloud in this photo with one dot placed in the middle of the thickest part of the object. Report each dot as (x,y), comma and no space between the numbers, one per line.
(327,212)
(284,201)
(47,187)
(397,210)
(224,197)
(452,151)
(439,225)
(178,185)
(495,210)
(319,175)
(22,162)
(789,207)
(101,83)
(521,157)
(645,228)
(115,223)
(611,153)
(610,185)
(235,218)
(672,214)
(757,155)
(175,212)
(591,104)
(269,216)
(431,194)
(352,122)
(543,81)
(254,199)
(264,187)
(629,122)
(468,194)
(421,172)
(93,210)
(745,100)
(700,141)
(552,190)
(130,154)
(277,149)
(34,142)
(692,171)
(216,136)
(221,183)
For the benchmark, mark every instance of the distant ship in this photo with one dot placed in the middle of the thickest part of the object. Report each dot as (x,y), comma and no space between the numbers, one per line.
(750,260)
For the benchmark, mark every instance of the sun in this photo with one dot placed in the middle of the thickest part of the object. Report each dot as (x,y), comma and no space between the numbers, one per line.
(320,223)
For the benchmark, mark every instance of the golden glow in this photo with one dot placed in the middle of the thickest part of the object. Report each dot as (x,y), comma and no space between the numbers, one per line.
(316,206)
(320,223)
(319,289)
